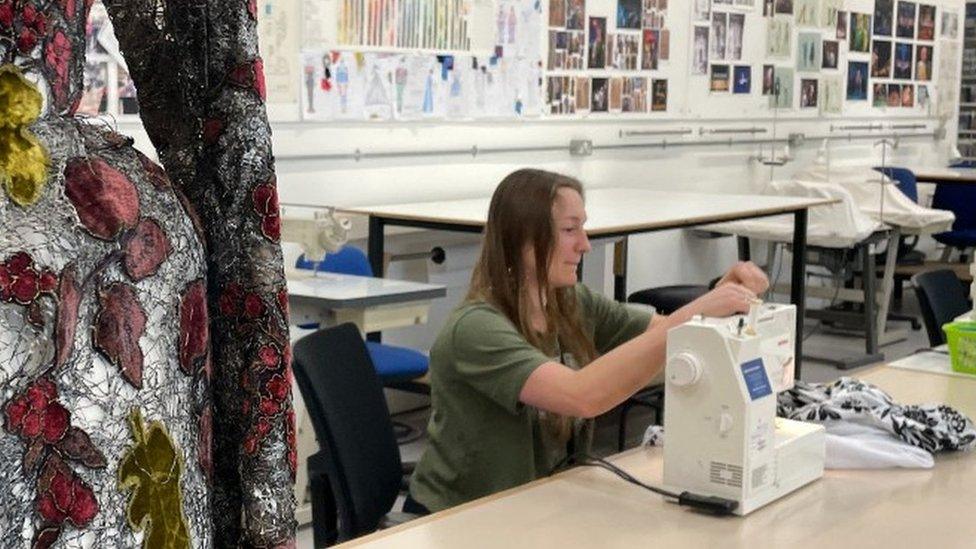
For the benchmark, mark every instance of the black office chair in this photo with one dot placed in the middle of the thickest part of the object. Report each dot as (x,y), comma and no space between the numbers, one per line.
(942,298)
(357,474)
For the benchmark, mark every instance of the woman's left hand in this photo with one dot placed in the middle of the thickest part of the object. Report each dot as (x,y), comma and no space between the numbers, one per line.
(747,274)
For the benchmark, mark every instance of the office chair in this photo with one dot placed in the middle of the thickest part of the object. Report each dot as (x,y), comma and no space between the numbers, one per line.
(941,297)
(665,300)
(960,200)
(398,367)
(357,473)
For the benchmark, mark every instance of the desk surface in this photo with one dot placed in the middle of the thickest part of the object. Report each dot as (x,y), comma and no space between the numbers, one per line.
(588,507)
(614,211)
(944,175)
(341,291)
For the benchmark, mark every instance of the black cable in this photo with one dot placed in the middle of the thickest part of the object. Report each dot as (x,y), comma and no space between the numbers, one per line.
(711,504)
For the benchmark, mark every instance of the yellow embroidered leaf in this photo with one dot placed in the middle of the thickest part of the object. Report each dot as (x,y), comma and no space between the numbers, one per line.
(151,470)
(23,160)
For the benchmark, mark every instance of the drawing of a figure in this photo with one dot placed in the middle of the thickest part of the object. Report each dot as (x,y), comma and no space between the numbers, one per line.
(512,21)
(400,80)
(310,87)
(429,93)
(342,82)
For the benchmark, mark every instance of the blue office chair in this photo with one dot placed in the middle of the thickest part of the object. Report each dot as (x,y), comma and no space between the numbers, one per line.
(960,200)
(907,254)
(397,367)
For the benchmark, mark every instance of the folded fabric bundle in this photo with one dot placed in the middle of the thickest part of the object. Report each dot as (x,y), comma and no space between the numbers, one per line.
(865,428)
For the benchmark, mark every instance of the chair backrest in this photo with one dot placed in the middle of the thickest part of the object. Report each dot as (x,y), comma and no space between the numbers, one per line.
(348,260)
(904,179)
(941,297)
(960,200)
(352,423)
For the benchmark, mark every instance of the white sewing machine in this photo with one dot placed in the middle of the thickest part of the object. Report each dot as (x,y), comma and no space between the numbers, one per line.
(317,236)
(723,438)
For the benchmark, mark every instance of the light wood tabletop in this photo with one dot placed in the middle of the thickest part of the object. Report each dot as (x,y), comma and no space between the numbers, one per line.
(948,176)
(589,507)
(614,211)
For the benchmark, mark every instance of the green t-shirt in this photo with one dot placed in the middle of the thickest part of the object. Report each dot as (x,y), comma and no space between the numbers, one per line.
(481,439)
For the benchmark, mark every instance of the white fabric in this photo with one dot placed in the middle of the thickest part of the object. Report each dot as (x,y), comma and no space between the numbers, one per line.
(865,186)
(849,446)
(839,225)
(856,446)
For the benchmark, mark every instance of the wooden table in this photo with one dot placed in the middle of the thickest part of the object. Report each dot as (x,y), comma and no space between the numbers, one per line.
(944,176)
(587,507)
(612,213)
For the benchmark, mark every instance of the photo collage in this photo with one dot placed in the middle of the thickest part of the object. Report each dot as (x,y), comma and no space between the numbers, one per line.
(718,31)
(902,53)
(599,63)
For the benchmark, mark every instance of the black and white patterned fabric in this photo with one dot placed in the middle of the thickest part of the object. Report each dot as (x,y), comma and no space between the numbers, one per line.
(932,427)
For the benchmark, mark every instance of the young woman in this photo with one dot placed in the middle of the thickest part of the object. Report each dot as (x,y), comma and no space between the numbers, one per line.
(531,356)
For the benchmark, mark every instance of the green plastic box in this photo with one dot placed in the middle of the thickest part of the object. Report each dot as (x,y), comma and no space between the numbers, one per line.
(961,337)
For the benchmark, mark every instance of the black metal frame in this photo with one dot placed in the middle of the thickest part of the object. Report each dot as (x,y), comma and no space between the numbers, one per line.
(379,222)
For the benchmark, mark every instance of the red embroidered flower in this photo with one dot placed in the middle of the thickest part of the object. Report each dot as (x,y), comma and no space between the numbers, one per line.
(36,414)
(57,55)
(271,227)
(290,439)
(63,496)
(212,128)
(205,442)
(265,198)
(69,299)
(253,306)
(27,41)
(21,282)
(230,299)
(268,356)
(104,198)
(145,247)
(68,7)
(155,172)
(283,300)
(194,327)
(259,83)
(278,388)
(117,327)
(6,15)
(268,407)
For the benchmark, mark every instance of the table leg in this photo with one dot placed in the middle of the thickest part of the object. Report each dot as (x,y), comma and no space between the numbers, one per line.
(798,282)
(745,253)
(620,269)
(868,276)
(375,252)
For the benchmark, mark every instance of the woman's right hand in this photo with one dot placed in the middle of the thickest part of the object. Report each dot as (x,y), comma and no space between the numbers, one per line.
(725,300)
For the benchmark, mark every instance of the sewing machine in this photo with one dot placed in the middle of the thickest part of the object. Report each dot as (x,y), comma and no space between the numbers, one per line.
(723,438)
(317,236)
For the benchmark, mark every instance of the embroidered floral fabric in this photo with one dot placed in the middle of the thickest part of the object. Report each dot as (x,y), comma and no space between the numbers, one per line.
(144,360)
(933,427)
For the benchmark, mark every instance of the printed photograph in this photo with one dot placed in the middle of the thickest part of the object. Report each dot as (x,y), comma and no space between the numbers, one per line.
(808,50)
(767,80)
(842,25)
(926,22)
(699,58)
(879,95)
(903,61)
(582,93)
(782,97)
(894,95)
(881,59)
(923,62)
(702,11)
(634,95)
(628,14)
(831,54)
(808,93)
(784,6)
(736,25)
(597,40)
(719,29)
(650,49)
(720,78)
(557,13)
(742,79)
(575,14)
(857,81)
(860,32)
(907,95)
(600,97)
(659,95)
(905,23)
(769,8)
(950,27)
(625,51)
(922,98)
(884,12)
(616,93)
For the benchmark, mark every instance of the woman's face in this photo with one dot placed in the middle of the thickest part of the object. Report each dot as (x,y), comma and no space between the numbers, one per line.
(569,243)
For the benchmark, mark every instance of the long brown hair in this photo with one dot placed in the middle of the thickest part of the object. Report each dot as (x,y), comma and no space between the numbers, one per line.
(521,213)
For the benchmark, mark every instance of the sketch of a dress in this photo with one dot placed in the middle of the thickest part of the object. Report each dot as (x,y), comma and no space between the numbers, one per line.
(429,93)
(342,81)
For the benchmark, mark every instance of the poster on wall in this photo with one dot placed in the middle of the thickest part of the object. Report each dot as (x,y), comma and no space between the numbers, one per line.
(857,81)
(699,56)
(831,94)
(778,35)
(860,32)
(782,92)
(884,11)
(905,22)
